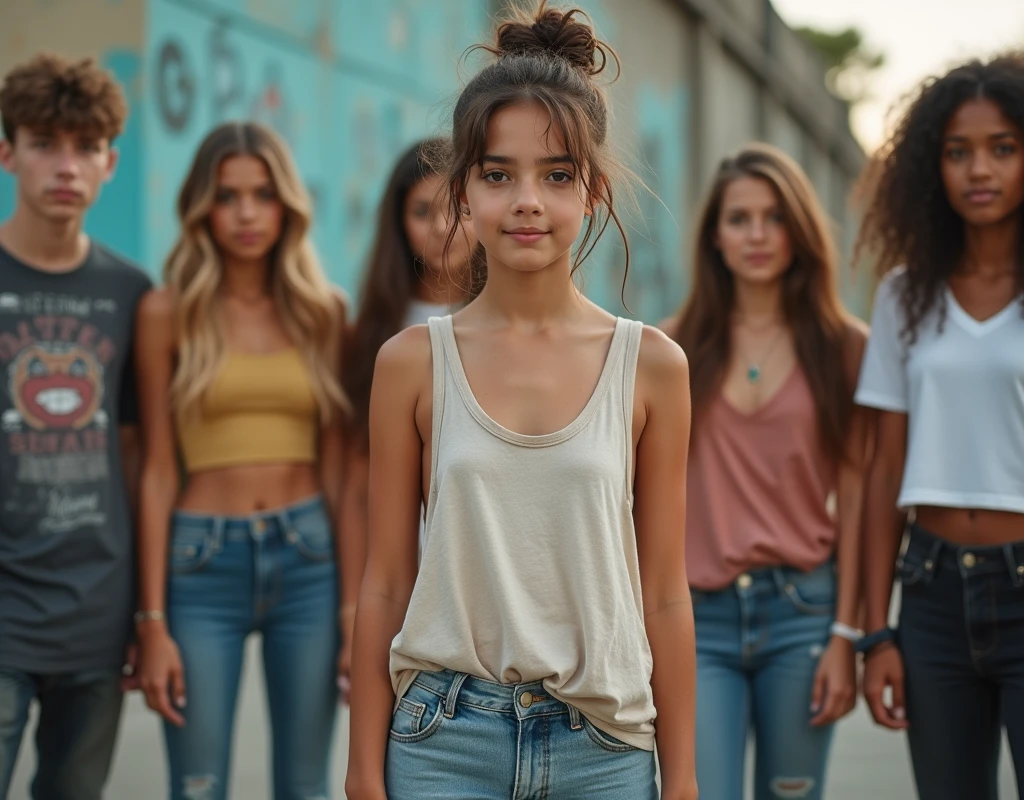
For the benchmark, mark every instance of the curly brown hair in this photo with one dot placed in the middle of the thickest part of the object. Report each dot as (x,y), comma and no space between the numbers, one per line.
(909,220)
(50,93)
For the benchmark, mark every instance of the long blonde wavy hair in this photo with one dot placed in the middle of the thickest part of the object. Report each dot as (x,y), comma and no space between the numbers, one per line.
(308,307)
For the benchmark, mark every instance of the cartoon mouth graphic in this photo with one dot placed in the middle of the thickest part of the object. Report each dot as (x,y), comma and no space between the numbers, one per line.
(59,402)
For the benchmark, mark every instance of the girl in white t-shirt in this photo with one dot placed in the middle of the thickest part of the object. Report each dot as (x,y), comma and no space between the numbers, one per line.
(945,370)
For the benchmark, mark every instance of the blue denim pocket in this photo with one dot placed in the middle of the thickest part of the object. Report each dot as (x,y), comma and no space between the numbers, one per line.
(312,535)
(418,715)
(812,592)
(605,740)
(190,549)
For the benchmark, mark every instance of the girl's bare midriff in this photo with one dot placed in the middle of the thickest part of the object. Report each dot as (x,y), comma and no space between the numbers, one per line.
(247,489)
(968,526)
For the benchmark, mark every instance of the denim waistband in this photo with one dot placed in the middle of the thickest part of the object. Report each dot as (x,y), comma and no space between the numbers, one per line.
(261,523)
(777,578)
(968,559)
(521,700)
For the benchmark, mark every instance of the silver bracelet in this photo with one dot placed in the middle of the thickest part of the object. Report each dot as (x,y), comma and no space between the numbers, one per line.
(844,631)
(148,616)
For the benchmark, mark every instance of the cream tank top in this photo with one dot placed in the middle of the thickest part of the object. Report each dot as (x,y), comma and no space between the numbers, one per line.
(529,568)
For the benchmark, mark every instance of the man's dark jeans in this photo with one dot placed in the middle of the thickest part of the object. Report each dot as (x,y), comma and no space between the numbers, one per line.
(962,638)
(78,718)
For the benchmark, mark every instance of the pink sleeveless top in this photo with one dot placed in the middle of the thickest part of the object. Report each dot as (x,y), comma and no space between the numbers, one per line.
(758,489)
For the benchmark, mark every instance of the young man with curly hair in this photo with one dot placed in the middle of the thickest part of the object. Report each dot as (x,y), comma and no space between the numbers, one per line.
(67,418)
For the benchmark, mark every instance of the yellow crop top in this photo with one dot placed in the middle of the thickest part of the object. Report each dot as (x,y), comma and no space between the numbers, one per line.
(260,409)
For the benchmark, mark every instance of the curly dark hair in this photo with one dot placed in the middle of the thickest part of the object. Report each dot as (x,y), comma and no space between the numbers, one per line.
(909,220)
(50,93)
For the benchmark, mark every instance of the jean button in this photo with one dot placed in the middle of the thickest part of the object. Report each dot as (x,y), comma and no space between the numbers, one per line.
(259,526)
(526,699)
(744,581)
(969,560)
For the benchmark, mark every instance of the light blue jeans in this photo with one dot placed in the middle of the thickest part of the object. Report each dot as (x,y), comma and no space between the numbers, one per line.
(274,573)
(459,738)
(758,646)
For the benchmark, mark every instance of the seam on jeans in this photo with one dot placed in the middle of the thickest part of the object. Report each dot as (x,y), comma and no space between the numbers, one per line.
(545,768)
(432,726)
(976,654)
(426,688)
(604,740)
(519,758)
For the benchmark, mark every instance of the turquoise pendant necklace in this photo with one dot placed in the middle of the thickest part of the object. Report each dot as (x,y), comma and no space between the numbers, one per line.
(754,368)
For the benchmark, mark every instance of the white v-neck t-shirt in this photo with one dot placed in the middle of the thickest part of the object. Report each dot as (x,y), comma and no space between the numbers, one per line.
(962,389)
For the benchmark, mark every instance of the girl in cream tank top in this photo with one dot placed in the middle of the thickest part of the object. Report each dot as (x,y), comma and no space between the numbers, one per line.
(547,623)
(555,596)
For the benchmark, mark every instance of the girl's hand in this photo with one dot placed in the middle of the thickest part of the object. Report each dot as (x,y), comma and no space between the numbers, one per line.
(883,667)
(344,670)
(162,676)
(835,683)
(346,624)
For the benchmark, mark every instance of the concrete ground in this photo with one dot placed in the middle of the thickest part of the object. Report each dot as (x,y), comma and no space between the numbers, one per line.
(868,763)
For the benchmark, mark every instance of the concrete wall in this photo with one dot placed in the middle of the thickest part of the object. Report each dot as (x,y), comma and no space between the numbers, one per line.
(349,83)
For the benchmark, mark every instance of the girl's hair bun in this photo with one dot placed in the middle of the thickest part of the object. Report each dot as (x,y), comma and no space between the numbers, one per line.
(556,34)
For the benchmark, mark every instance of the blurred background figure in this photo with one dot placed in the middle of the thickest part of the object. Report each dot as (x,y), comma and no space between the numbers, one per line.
(407,280)
(238,358)
(945,370)
(774,570)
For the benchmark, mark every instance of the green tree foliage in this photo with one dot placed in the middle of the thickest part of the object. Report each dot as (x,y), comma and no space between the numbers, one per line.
(849,62)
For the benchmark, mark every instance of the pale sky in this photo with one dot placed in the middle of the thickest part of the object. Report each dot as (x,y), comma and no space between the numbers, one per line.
(919,38)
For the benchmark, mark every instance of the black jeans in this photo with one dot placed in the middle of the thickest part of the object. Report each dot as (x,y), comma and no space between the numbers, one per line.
(962,638)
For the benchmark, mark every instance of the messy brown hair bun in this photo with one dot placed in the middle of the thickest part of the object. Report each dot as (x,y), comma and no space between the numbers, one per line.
(549,58)
(556,33)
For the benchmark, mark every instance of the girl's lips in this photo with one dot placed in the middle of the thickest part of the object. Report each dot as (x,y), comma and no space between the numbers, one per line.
(527,237)
(981,197)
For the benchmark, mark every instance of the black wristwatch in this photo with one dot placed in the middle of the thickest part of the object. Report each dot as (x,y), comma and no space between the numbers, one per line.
(870,641)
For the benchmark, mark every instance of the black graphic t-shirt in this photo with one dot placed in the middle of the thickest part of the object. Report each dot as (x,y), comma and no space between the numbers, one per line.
(66,551)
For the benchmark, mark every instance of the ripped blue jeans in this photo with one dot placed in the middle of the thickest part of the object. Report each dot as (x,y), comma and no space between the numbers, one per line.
(273,573)
(758,646)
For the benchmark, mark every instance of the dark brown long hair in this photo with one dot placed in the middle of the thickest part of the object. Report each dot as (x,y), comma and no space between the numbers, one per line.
(550,57)
(810,300)
(389,285)
(909,220)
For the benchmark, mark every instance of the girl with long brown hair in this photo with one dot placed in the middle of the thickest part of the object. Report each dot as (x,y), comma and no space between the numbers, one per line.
(408,280)
(773,568)
(239,360)
(525,653)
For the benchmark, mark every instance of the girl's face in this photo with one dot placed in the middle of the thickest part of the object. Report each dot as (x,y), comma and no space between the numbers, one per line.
(983,164)
(426,227)
(751,233)
(247,216)
(524,198)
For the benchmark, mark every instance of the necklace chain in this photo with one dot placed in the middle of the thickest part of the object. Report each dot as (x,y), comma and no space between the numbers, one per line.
(754,367)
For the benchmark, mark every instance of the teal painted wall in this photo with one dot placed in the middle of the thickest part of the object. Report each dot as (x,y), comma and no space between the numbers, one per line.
(349,84)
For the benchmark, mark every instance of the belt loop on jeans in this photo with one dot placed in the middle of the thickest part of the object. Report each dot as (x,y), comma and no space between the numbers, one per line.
(285,521)
(574,718)
(781,581)
(217,533)
(453,694)
(1016,570)
(932,559)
